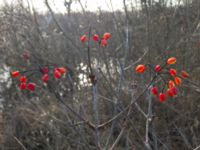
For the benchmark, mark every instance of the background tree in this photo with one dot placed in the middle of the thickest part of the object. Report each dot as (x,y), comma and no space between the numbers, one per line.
(60,115)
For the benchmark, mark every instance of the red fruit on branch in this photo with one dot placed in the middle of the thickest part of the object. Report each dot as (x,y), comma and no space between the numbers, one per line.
(162,97)
(96,38)
(170,92)
(140,68)
(184,74)
(154,91)
(173,72)
(158,68)
(171,84)
(57,74)
(174,90)
(83,38)
(62,70)
(178,80)
(106,36)
(31,86)
(171,61)
(104,43)
(45,78)
(23,86)
(15,74)
(45,70)
(23,79)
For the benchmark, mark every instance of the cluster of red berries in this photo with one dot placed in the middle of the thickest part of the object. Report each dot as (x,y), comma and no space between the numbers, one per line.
(175,79)
(103,41)
(58,72)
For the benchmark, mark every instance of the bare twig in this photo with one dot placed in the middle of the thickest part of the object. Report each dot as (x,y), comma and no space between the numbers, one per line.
(148,120)
(129,112)
(96,115)
(197,148)
(139,59)
(20,143)
(59,26)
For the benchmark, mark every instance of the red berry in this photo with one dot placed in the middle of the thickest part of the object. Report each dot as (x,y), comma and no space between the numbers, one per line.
(23,86)
(170,92)
(96,38)
(45,70)
(57,74)
(83,38)
(174,90)
(31,86)
(171,84)
(154,91)
(62,70)
(158,68)
(140,68)
(104,42)
(162,97)
(45,77)
(15,74)
(184,74)
(173,72)
(23,79)
(171,61)
(178,80)
(106,36)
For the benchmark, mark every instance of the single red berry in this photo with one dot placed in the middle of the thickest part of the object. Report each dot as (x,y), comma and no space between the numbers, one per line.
(170,92)
(140,68)
(154,91)
(23,79)
(45,70)
(184,74)
(83,38)
(106,36)
(104,43)
(62,70)
(15,74)
(158,68)
(171,60)
(31,86)
(96,38)
(162,97)
(23,86)
(173,72)
(171,84)
(178,80)
(174,90)
(45,78)
(57,74)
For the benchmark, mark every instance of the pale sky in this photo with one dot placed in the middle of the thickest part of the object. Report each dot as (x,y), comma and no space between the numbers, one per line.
(91,5)
(58,5)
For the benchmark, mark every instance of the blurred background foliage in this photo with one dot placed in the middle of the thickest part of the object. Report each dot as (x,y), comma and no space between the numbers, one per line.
(150,34)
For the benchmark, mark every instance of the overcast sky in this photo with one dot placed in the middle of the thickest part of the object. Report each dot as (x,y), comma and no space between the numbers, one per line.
(91,5)
(58,5)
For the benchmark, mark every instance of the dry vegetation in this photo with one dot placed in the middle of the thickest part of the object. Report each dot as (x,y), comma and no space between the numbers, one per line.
(58,116)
